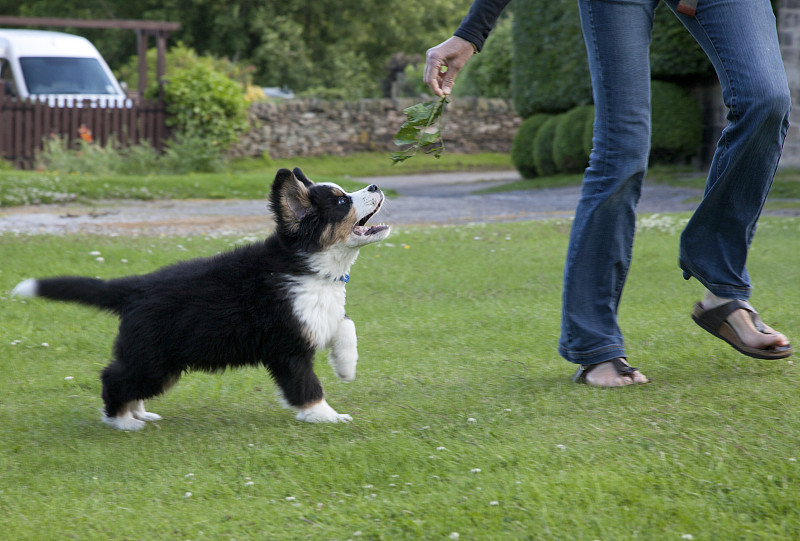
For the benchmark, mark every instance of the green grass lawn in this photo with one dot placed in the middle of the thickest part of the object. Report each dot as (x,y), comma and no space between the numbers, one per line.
(465,420)
(244,179)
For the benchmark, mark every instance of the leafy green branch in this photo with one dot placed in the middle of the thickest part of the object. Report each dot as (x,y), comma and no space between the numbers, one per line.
(422,130)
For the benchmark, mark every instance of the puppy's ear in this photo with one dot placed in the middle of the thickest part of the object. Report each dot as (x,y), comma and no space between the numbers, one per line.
(289,200)
(302,178)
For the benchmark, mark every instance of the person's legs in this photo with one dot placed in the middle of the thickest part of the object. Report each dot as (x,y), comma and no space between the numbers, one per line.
(617,36)
(740,38)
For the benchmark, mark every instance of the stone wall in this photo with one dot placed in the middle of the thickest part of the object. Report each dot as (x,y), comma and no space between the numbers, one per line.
(309,127)
(789,36)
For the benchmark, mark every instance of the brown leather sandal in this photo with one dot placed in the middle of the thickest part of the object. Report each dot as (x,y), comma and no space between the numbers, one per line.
(622,368)
(715,322)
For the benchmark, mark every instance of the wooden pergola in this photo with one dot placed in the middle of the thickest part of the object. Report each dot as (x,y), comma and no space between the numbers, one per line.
(144,29)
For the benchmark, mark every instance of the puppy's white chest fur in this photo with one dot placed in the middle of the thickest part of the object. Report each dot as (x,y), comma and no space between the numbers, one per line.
(319,305)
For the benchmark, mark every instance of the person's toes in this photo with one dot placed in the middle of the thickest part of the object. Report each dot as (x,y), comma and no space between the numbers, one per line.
(605,375)
(742,323)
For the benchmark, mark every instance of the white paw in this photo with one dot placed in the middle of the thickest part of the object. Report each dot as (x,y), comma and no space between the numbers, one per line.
(138,411)
(321,412)
(124,422)
(344,366)
(147,416)
(344,351)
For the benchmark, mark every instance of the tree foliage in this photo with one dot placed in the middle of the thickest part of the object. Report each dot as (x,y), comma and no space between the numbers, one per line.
(489,73)
(303,44)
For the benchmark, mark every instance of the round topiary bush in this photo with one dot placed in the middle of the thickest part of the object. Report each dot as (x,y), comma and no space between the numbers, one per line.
(677,124)
(570,152)
(522,145)
(543,147)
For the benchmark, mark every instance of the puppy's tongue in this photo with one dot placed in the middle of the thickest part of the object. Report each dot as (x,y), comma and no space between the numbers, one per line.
(371,230)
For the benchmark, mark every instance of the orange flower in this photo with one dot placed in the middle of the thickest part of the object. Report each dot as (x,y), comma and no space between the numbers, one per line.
(85,133)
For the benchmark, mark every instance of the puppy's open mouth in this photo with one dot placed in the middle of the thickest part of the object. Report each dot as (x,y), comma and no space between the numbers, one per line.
(361,229)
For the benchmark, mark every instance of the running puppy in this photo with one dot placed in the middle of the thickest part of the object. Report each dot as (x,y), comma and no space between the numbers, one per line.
(272,303)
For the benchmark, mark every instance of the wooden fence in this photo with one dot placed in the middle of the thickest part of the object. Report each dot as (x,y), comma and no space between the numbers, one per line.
(25,125)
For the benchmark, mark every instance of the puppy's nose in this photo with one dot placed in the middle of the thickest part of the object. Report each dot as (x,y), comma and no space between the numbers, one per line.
(373,188)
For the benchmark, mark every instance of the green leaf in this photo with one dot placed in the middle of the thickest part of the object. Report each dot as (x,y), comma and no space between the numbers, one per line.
(419,131)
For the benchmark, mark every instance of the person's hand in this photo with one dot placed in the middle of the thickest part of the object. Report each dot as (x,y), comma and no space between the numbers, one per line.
(452,54)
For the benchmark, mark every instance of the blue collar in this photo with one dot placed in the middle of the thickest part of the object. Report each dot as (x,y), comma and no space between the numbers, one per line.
(345,278)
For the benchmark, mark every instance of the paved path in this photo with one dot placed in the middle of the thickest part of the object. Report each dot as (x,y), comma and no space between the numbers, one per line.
(444,198)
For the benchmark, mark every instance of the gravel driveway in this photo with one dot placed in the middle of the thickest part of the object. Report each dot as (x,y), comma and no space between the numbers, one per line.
(445,198)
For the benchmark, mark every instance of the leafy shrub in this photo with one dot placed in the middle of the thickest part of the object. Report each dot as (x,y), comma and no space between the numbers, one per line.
(85,157)
(588,133)
(570,151)
(207,104)
(677,125)
(184,153)
(543,147)
(522,145)
(190,153)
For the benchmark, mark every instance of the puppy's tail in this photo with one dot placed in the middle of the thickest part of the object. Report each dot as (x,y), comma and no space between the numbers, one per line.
(104,294)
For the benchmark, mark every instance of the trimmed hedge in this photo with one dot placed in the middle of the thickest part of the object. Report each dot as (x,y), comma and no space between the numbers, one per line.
(549,144)
(550,72)
(489,73)
(677,125)
(522,145)
(674,54)
(570,149)
(543,147)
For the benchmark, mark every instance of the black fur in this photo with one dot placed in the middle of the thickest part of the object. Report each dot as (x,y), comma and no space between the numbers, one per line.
(230,310)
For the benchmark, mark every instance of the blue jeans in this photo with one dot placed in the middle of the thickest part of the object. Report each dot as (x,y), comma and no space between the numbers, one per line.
(740,38)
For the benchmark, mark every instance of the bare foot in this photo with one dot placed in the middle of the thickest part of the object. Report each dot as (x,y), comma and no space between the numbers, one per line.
(738,323)
(742,322)
(606,375)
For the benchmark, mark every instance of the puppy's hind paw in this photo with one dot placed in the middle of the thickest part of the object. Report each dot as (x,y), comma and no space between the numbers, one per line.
(124,422)
(321,412)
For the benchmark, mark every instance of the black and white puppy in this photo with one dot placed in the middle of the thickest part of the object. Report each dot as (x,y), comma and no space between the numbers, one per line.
(272,303)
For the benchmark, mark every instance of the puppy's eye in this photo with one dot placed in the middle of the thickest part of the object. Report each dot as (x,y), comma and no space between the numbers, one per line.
(341,201)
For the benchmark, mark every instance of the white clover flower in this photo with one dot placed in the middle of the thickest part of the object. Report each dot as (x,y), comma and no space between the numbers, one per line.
(95,252)
(561,446)
(494,502)
(472,420)
(249,484)
(189,475)
(441,448)
(454,536)
(475,470)
(99,259)
(687,536)
(290,498)
(187,495)
(69,378)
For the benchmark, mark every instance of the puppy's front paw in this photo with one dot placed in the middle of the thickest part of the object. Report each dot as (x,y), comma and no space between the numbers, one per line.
(344,366)
(344,351)
(321,412)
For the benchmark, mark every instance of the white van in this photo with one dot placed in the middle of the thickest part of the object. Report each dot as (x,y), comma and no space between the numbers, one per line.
(62,69)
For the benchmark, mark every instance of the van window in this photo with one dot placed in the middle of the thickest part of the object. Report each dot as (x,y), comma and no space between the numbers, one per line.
(7,77)
(60,75)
